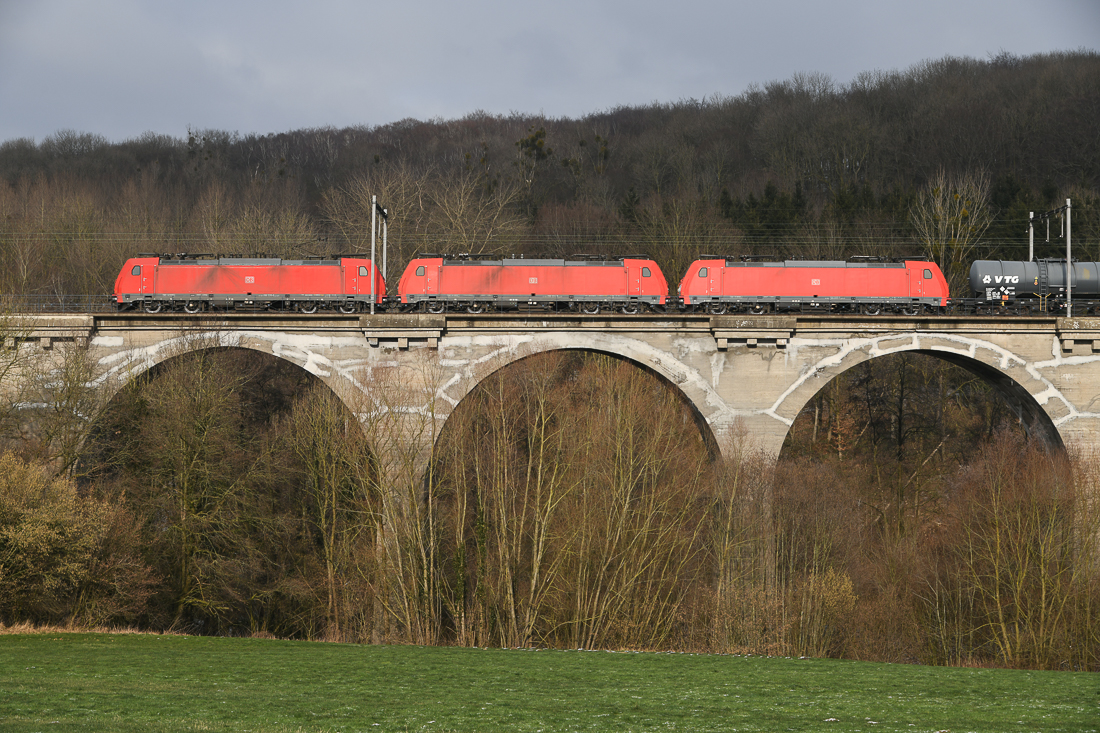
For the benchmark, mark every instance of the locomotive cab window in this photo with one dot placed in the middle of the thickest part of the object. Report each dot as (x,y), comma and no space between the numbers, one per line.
(927,274)
(136,270)
(420,271)
(702,272)
(645,272)
(362,271)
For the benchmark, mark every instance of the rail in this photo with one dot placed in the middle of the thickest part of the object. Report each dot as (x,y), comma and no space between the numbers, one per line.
(96,304)
(56,304)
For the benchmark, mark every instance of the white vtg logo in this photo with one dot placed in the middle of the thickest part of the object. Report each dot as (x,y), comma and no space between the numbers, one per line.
(1007,279)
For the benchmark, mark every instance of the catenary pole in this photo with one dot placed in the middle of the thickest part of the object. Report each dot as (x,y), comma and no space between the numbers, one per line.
(1069,265)
(1031,236)
(373,231)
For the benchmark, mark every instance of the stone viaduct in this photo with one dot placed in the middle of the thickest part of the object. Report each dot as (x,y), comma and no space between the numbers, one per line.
(738,373)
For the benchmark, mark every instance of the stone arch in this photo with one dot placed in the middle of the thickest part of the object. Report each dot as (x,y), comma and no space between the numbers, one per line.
(123,365)
(692,389)
(162,357)
(1035,400)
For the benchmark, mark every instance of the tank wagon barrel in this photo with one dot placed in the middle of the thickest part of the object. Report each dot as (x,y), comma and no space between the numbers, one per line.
(994,280)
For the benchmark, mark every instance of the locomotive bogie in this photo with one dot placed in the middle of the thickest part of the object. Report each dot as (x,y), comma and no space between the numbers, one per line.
(551,304)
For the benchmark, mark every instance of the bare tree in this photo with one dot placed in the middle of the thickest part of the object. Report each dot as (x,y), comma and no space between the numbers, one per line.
(281,232)
(68,399)
(198,473)
(634,551)
(402,189)
(518,481)
(472,214)
(951,214)
(336,497)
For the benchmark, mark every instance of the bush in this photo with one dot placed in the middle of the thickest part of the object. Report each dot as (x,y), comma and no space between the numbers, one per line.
(63,556)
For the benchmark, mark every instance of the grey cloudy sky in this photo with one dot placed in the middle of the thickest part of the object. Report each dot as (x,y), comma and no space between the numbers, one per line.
(123,67)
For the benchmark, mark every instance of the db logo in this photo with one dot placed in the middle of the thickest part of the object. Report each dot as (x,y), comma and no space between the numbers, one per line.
(533,280)
(815,281)
(249,279)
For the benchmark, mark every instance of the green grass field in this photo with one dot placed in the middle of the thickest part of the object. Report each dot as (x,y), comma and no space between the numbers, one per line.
(69,682)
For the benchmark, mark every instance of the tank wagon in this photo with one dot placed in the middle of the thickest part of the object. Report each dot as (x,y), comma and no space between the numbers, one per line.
(437,284)
(867,285)
(1039,282)
(194,283)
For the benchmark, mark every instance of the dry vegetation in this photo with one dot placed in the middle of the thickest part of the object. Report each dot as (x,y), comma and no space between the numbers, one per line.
(571,502)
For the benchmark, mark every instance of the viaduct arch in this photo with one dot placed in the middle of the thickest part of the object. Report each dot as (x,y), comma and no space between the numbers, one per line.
(1035,401)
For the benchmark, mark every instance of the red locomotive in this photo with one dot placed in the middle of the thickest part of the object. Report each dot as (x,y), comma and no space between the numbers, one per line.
(868,285)
(198,282)
(628,284)
(438,284)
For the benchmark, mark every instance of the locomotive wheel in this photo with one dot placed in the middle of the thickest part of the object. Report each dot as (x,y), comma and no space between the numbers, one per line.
(192,307)
(872,309)
(630,309)
(436,306)
(348,308)
(308,307)
(758,309)
(910,310)
(590,309)
(153,306)
(475,308)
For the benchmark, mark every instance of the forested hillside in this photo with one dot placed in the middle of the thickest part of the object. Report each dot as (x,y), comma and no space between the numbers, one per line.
(802,167)
(571,500)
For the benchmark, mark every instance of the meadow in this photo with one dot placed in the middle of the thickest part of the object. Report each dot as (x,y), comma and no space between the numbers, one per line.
(130,682)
